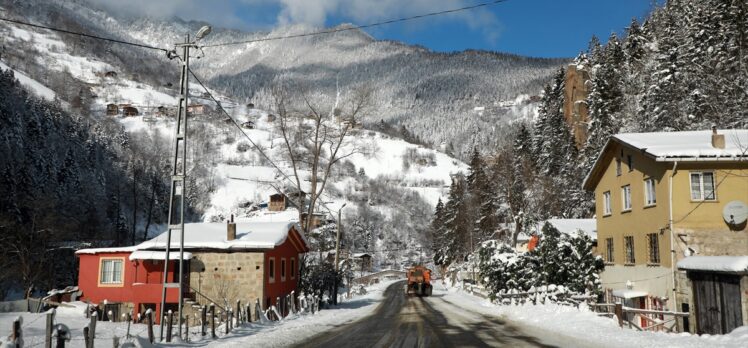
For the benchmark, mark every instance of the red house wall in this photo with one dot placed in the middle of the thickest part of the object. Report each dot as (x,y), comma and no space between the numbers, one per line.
(289,249)
(137,286)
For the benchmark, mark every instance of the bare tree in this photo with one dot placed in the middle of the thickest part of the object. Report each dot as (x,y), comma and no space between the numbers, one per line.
(316,134)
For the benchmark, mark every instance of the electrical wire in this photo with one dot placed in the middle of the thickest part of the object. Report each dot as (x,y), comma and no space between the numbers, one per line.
(82,34)
(258,148)
(370,25)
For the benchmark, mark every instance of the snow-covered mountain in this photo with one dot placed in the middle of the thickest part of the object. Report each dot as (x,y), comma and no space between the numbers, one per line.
(433,94)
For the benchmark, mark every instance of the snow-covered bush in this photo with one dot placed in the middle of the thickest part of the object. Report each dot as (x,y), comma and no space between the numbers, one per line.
(560,261)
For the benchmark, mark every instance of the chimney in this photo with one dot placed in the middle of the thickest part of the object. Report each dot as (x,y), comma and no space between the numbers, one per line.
(231,229)
(718,140)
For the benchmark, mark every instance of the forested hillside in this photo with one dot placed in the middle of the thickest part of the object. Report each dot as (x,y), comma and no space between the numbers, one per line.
(684,68)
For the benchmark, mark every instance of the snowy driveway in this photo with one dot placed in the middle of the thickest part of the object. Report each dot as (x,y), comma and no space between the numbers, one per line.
(403,321)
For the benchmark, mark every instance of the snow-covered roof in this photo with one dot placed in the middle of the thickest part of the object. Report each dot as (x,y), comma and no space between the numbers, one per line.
(249,235)
(158,255)
(127,249)
(628,293)
(571,226)
(203,235)
(360,255)
(733,264)
(687,146)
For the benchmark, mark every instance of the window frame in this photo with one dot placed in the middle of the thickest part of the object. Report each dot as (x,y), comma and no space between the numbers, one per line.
(283,269)
(626,198)
(607,207)
(650,186)
(702,191)
(630,162)
(271,269)
(293,268)
(629,250)
(653,250)
(610,250)
(101,281)
(618,166)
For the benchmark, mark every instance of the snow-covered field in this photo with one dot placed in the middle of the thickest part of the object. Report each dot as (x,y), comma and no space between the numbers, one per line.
(291,330)
(569,324)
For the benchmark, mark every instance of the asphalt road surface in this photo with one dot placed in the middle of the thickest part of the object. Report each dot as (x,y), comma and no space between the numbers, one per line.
(402,321)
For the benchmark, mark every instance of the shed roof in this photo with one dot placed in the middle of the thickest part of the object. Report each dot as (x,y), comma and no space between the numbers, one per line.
(731,264)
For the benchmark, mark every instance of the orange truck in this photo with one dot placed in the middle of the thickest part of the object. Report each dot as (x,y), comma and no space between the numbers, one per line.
(419,281)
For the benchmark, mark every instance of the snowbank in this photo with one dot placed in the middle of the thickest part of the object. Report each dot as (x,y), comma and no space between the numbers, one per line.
(715,263)
(569,324)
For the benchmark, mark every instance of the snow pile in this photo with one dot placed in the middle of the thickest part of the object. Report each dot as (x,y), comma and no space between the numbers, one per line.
(32,85)
(586,328)
(715,263)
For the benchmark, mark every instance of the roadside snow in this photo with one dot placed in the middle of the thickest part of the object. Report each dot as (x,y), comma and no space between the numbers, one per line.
(586,327)
(293,329)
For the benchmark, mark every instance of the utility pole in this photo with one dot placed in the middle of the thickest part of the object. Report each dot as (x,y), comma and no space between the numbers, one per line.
(177,193)
(337,251)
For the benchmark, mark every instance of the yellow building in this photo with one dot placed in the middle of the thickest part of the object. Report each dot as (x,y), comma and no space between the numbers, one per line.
(660,199)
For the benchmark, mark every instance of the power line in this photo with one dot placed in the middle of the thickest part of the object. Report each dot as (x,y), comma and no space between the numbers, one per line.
(376,24)
(257,147)
(82,34)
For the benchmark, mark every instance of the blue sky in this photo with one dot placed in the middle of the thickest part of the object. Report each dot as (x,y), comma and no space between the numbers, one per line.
(541,28)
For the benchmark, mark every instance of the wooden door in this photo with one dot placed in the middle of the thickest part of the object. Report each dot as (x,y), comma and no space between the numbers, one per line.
(718,307)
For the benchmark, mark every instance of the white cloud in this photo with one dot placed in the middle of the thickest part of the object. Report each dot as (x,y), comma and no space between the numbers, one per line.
(254,14)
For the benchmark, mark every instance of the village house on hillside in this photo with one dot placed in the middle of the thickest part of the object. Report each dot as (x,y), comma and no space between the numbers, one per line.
(198,109)
(223,263)
(668,209)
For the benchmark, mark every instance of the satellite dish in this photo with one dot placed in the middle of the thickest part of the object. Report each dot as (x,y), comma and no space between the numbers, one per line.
(735,213)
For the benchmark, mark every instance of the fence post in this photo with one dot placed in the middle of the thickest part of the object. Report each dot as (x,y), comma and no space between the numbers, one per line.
(60,337)
(17,335)
(212,320)
(92,325)
(228,317)
(87,336)
(619,313)
(203,318)
(128,316)
(48,331)
(293,301)
(186,328)
(258,310)
(248,313)
(115,342)
(238,312)
(149,317)
(170,320)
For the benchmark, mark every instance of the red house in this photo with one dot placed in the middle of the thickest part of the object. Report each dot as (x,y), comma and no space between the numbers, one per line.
(223,263)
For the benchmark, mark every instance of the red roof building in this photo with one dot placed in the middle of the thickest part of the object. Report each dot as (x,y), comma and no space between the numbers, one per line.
(223,263)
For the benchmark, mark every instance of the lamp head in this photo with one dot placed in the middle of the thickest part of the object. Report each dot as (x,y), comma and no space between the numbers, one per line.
(203,32)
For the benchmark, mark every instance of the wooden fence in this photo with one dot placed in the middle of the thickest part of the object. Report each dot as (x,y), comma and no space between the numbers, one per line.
(667,321)
(58,335)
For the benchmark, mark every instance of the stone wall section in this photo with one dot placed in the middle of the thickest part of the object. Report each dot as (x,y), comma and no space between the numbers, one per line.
(227,277)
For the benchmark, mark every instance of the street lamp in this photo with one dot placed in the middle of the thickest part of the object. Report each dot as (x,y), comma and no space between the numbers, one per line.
(178,177)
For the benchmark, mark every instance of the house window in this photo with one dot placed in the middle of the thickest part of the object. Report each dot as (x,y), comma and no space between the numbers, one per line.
(702,186)
(283,270)
(626,196)
(653,246)
(271,270)
(293,268)
(609,250)
(630,162)
(628,243)
(618,166)
(650,196)
(606,203)
(111,271)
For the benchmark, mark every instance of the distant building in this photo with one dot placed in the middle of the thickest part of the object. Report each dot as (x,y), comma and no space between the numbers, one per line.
(129,111)
(248,125)
(270,118)
(112,109)
(250,106)
(362,262)
(111,74)
(277,202)
(199,109)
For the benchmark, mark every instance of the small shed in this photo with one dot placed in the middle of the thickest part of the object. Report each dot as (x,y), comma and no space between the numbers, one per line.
(248,125)
(130,111)
(363,262)
(277,202)
(112,109)
(250,106)
(198,109)
(111,74)
(271,118)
